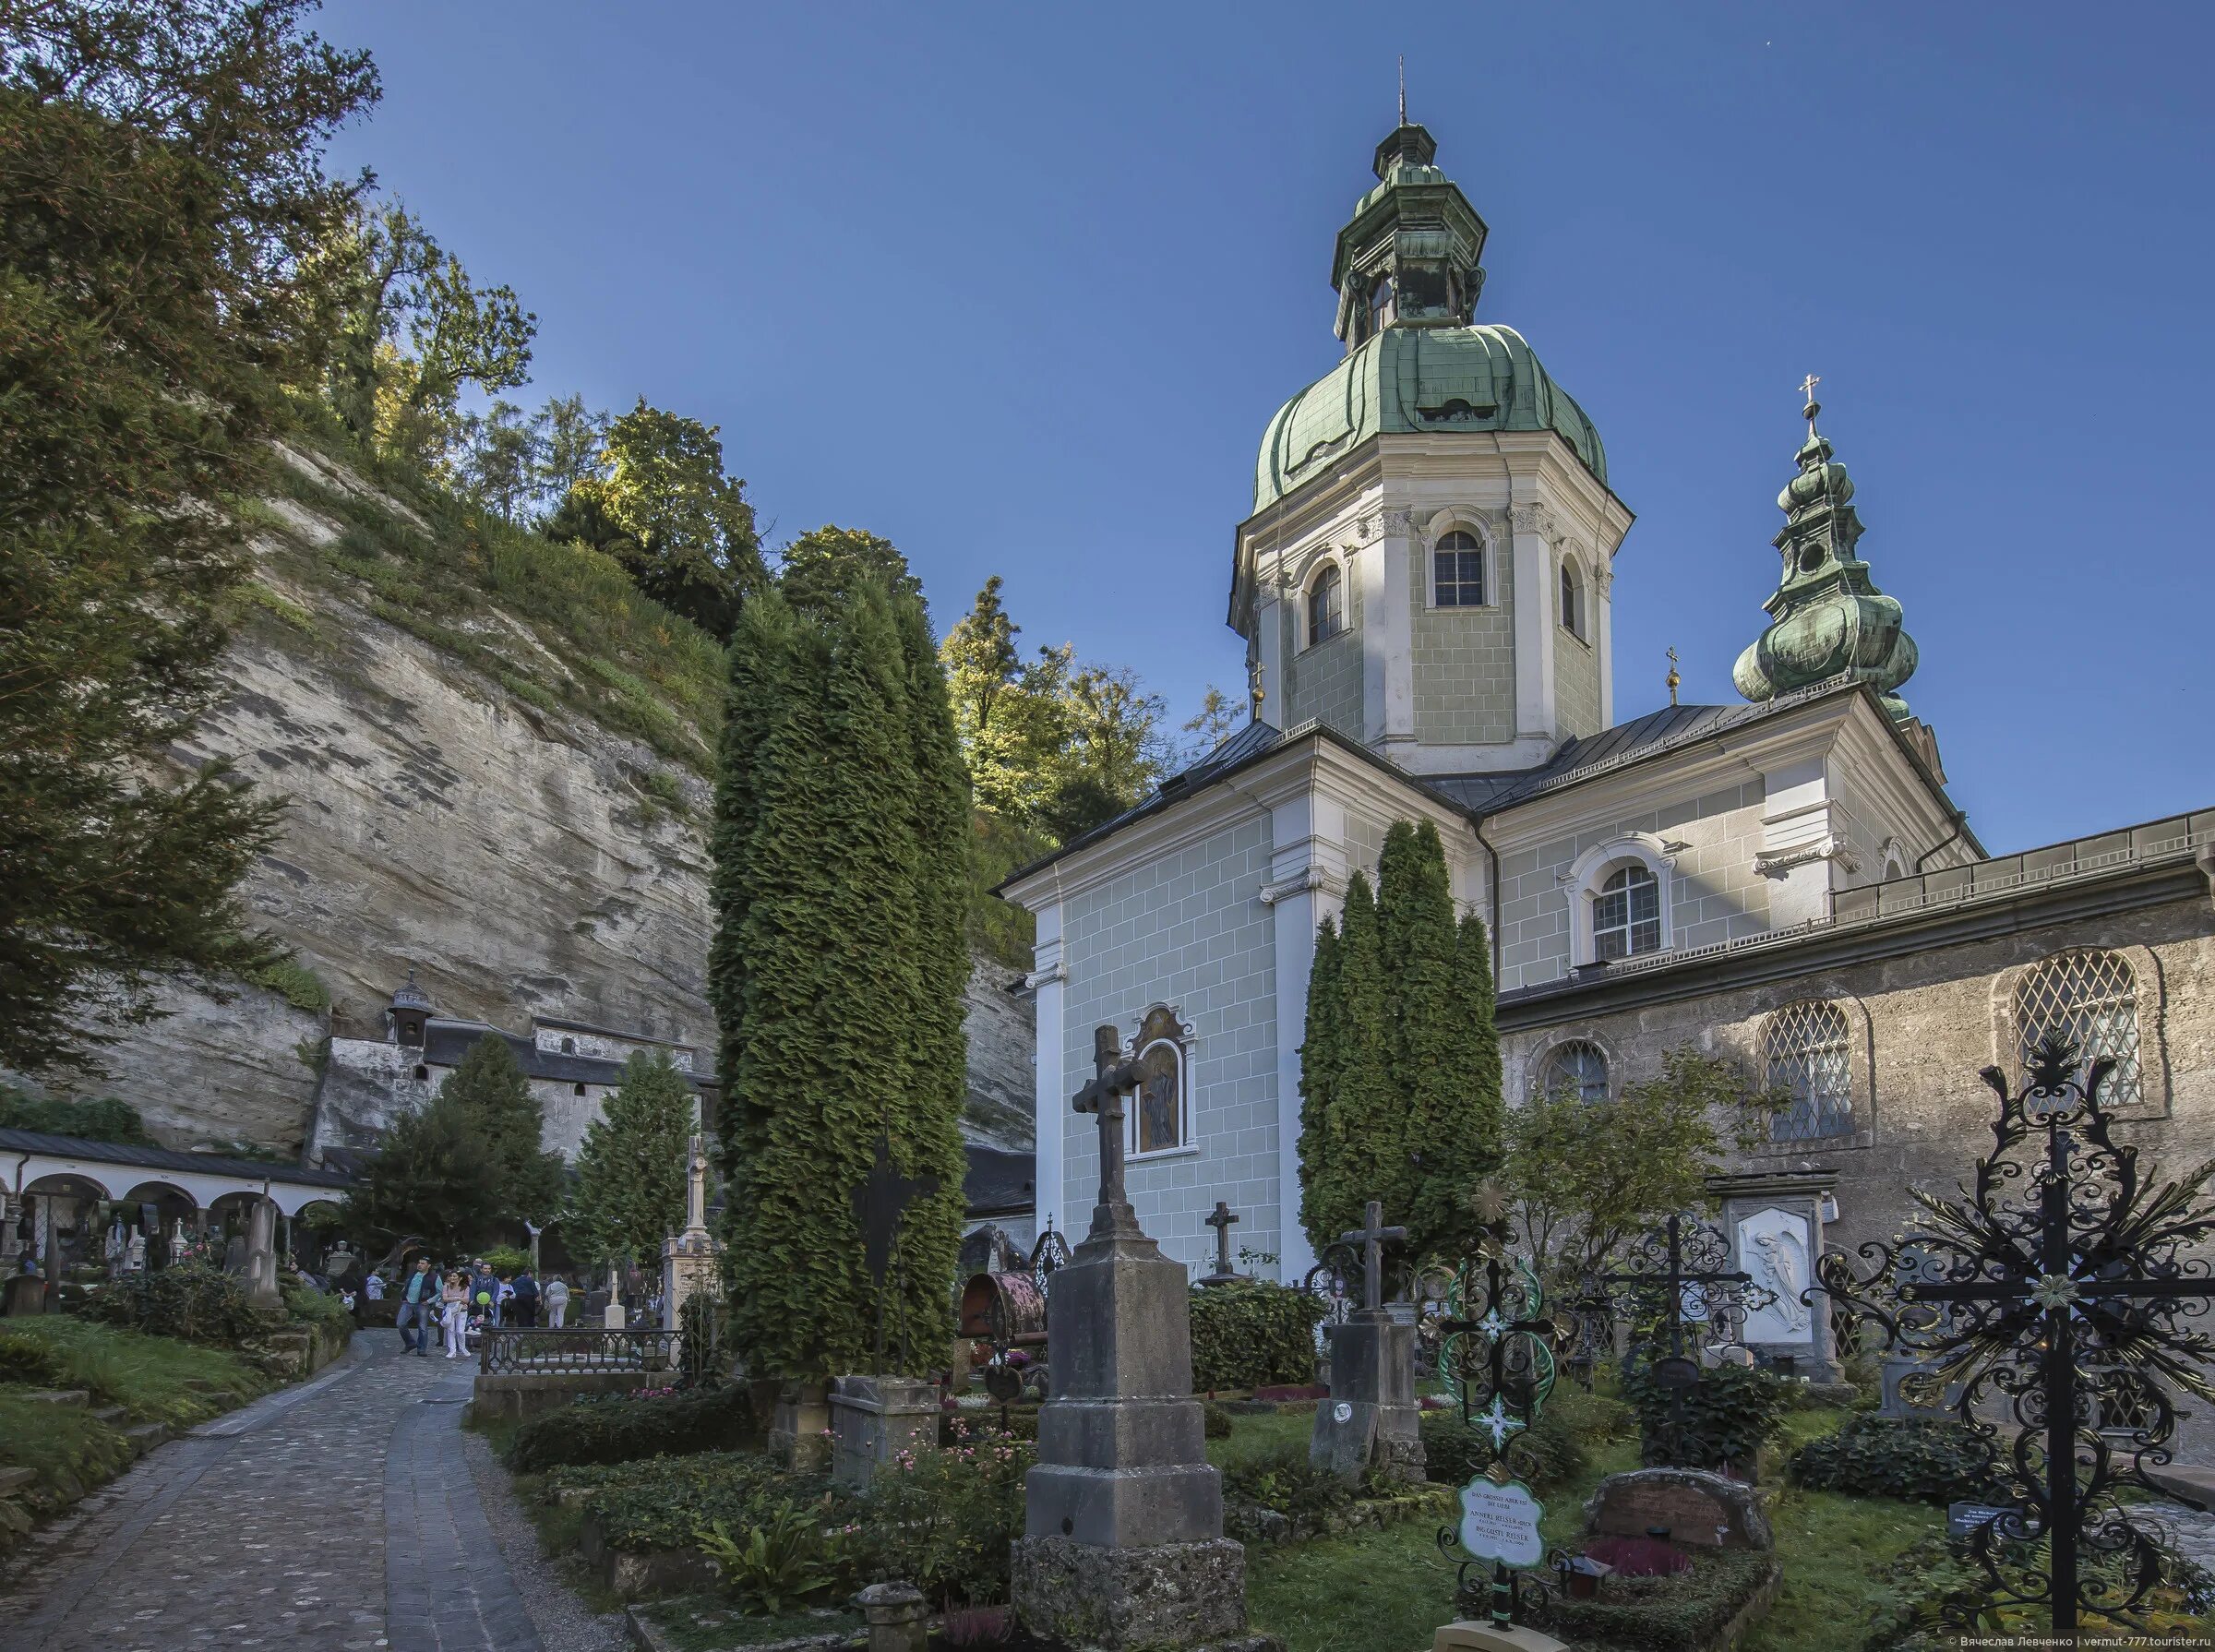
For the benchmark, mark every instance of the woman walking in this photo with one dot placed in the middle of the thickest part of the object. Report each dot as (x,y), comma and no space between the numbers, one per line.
(456,1299)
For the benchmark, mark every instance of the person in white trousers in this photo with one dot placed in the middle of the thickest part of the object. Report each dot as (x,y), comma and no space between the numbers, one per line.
(457,1315)
(556,1295)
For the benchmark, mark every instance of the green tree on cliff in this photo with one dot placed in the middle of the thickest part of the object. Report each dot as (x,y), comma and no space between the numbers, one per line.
(631,1171)
(159,193)
(838,963)
(1400,1073)
(432,1177)
(489,1087)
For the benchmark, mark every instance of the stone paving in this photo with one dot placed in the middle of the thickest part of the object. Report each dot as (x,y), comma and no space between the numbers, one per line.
(336,1516)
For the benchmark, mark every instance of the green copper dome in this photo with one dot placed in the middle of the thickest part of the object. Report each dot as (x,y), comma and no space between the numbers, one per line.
(1407,269)
(1830,619)
(1413,378)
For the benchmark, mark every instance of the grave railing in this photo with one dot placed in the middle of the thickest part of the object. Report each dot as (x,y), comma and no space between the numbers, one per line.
(517,1351)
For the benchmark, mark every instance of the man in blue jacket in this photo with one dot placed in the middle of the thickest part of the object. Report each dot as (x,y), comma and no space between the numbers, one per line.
(418,1306)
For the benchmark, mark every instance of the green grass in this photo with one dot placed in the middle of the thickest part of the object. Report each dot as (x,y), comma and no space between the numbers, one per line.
(1259,1435)
(1832,1546)
(155,1378)
(709,1623)
(70,1449)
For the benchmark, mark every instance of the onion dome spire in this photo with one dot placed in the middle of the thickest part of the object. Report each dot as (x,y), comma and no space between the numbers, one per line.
(1827,617)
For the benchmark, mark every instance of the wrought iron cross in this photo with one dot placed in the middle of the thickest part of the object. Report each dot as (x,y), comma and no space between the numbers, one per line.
(1672,1277)
(1222,1219)
(1372,1236)
(878,1203)
(1113,1079)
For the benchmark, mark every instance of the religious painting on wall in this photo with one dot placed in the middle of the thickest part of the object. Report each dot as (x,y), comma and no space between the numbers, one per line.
(1159,1122)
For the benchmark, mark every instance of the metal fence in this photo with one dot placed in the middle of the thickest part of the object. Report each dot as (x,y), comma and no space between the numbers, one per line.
(514,1351)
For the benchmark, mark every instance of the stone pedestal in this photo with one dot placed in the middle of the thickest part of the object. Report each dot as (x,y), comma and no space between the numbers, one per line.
(898,1616)
(797,1426)
(1698,1510)
(1156,1594)
(261,1257)
(1371,1415)
(873,1419)
(692,1260)
(1775,1222)
(1490,1637)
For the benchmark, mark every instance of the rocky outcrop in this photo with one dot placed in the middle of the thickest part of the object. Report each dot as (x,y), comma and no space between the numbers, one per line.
(517,855)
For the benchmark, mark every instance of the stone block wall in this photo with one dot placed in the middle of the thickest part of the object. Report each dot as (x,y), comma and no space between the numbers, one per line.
(1576,677)
(1325,680)
(1921,1026)
(1189,931)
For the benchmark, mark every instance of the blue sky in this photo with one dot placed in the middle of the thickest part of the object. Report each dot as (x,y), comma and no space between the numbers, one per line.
(1019,287)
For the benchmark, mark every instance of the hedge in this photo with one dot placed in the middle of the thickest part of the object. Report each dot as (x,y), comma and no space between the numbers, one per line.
(1917,1459)
(1679,1613)
(1729,1415)
(1253,1335)
(1552,1450)
(620,1429)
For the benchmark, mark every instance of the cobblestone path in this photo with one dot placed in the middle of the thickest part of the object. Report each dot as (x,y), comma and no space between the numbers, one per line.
(335,1516)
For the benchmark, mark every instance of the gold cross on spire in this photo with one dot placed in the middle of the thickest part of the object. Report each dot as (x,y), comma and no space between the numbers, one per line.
(1673,679)
(1809,407)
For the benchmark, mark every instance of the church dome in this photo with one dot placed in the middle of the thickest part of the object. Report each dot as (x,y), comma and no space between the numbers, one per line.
(1405,380)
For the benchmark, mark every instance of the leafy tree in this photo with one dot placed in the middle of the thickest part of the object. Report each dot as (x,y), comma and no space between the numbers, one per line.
(433,1175)
(106,1118)
(489,1087)
(1585,1177)
(570,439)
(668,511)
(828,566)
(1113,752)
(160,190)
(412,328)
(837,966)
(1214,723)
(1400,1070)
(498,462)
(631,1171)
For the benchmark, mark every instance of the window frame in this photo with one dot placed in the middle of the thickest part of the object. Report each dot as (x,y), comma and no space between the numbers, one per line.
(1573,600)
(1162,1028)
(1331,576)
(1553,1059)
(1627,880)
(1478,545)
(1591,870)
(2131,1085)
(1796,1020)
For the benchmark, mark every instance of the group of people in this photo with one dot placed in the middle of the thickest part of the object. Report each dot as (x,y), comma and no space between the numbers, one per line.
(455,1306)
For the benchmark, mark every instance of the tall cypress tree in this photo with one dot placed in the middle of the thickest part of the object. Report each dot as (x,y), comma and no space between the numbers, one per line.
(837,972)
(489,1086)
(1359,1135)
(1320,1058)
(632,1170)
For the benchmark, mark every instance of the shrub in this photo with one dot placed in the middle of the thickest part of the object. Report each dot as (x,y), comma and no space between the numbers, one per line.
(27,1360)
(946,1521)
(505,1260)
(1284,1482)
(1917,1459)
(194,1301)
(1553,1450)
(1659,1613)
(1215,1421)
(325,1316)
(104,1120)
(1729,1415)
(663,1502)
(1248,1335)
(619,1428)
(293,981)
(782,1560)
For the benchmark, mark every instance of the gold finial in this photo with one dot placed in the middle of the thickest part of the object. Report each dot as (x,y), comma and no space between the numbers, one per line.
(1809,407)
(1673,679)
(1255,694)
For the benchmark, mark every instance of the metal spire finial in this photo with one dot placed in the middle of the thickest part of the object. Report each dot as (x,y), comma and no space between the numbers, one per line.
(1402,89)
(1673,679)
(1811,407)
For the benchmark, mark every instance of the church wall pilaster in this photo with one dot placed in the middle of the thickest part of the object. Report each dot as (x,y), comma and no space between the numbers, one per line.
(1047,980)
(1394,623)
(1534,711)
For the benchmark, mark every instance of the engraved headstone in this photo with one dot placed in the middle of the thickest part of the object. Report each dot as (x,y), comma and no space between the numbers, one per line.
(1371,1376)
(1695,1509)
(1775,1222)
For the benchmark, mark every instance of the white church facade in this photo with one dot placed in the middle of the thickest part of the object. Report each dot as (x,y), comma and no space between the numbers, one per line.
(1424,588)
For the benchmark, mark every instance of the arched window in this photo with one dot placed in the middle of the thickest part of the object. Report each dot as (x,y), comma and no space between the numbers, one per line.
(1626,913)
(423,1074)
(1573,601)
(579,1090)
(1382,307)
(1159,1122)
(569,1047)
(1578,1068)
(1458,571)
(1326,605)
(1803,1051)
(2090,998)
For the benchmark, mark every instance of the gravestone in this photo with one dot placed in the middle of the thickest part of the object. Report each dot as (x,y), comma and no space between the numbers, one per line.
(24,1293)
(1371,1418)
(875,1418)
(692,1260)
(1693,1508)
(1894,1370)
(1775,1222)
(261,1257)
(1221,1220)
(1123,1543)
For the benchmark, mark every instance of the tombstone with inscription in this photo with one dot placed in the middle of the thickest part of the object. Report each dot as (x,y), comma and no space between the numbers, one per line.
(1775,1222)
(261,1257)
(1221,1220)
(1687,1506)
(1123,1543)
(1371,1418)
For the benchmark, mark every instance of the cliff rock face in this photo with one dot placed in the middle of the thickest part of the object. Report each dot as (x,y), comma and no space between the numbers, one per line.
(518,856)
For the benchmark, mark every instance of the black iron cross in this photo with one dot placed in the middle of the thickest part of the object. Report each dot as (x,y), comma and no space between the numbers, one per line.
(879,1202)
(1112,1080)
(1676,1371)
(1222,1219)
(1372,1236)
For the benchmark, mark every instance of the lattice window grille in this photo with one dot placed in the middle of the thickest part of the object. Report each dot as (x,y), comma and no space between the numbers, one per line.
(1577,1067)
(2091,997)
(1805,1047)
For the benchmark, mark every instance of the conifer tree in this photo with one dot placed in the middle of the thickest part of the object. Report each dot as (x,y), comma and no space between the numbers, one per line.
(1360,1135)
(431,1178)
(1320,1058)
(838,967)
(489,1087)
(631,1171)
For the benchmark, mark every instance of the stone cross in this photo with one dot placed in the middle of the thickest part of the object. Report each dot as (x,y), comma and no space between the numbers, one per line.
(1221,1222)
(1372,1236)
(1113,1079)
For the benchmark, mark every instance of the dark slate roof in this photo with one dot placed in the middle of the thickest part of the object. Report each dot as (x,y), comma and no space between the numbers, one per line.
(446,1042)
(1000,1181)
(166,1158)
(1642,736)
